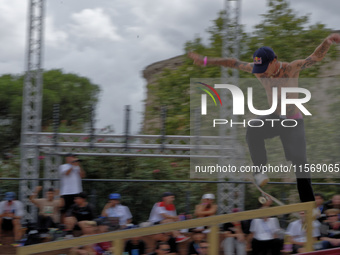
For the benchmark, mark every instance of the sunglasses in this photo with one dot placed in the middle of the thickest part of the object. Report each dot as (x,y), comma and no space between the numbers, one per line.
(332,215)
(204,247)
(165,249)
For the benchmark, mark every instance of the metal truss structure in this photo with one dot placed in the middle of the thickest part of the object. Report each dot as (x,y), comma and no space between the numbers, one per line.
(230,195)
(32,102)
(163,146)
(37,147)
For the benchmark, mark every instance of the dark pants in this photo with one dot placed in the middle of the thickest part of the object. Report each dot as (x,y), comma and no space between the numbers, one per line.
(272,247)
(68,202)
(294,145)
(45,222)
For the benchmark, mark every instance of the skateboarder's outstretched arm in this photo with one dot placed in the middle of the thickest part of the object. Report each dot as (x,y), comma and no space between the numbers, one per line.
(317,55)
(227,62)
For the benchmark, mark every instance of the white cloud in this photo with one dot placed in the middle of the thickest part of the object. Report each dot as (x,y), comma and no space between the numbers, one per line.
(95,24)
(54,37)
(111,42)
(13,29)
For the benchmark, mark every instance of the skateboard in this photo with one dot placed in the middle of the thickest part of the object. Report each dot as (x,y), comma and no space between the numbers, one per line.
(265,196)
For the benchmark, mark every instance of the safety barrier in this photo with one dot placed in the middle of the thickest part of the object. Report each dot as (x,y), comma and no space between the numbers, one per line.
(118,237)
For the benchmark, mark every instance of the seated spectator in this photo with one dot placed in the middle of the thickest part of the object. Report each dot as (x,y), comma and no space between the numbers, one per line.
(114,209)
(49,209)
(135,246)
(207,207)
(319,203)
(333,203)
(168,239)
(204,247)
(161,248)
(235,236)
(330,230)
(165,212)
(103,247)
(264,236)
(78,213)
(296,231)
(89,228)
(194,246)
(11,212)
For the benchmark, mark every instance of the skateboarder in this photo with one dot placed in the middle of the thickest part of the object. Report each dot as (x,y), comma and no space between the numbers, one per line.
(273,73)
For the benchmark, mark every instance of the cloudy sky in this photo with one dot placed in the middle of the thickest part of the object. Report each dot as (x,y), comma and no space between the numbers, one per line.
(112,41)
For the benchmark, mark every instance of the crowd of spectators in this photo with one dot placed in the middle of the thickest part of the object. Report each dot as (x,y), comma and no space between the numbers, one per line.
(260,235)
(72,213)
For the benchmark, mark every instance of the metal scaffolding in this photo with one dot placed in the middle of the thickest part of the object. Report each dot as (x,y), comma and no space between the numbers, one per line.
(48,148)
(230,195)
(32,98)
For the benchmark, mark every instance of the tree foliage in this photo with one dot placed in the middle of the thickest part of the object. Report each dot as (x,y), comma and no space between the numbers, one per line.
(74,94)
(292,37)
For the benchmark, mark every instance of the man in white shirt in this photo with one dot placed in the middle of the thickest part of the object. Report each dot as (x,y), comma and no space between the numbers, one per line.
(296,231)
(11,212)
(70,174)
(165,212)
(265,239)
(114,209)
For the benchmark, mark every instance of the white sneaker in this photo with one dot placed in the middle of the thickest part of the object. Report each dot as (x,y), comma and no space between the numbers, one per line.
(261,179)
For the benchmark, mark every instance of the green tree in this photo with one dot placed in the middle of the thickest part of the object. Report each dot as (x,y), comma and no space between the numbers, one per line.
(292,37)
(74,93)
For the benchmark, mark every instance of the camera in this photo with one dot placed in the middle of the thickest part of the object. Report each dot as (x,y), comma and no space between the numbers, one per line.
(77,160)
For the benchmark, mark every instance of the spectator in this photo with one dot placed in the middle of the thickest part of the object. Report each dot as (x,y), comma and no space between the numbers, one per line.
(114,209)
(165,212)
(161,248)
(206,207)
(330,230)
(135,246)
(333,203)
(235,236)
(48,209)
(78,213)
(70,174)
(11,212)
(168,239)
(319,204)
(89,228)
(194,246)
(204,247)
(296,231)
(103,247)
(264,236)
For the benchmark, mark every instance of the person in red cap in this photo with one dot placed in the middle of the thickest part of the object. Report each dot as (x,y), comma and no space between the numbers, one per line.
(273,73)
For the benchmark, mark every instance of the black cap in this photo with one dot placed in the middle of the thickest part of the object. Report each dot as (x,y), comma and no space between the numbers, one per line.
(70,155)
(262,57)
(82,195)
(167,194)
